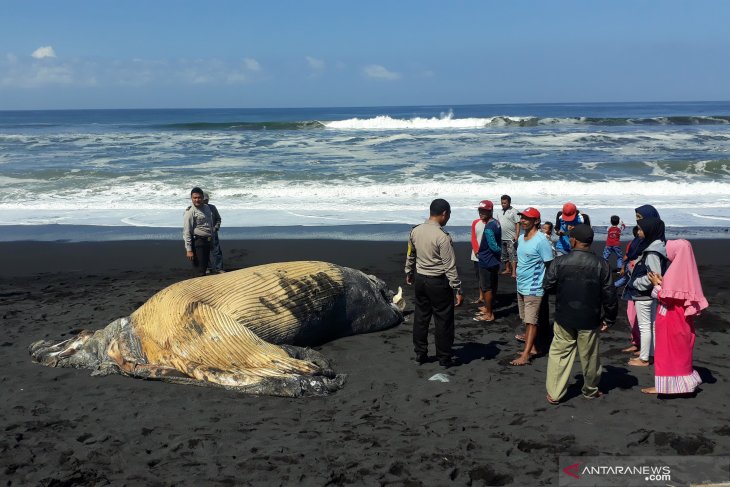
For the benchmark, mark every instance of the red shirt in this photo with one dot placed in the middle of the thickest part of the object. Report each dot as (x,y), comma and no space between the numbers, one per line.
(614,236)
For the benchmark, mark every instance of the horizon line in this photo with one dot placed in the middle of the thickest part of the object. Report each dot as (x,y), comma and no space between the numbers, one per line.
(369,106)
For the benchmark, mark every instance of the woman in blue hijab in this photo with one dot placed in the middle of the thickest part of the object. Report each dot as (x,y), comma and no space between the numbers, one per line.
(646,211)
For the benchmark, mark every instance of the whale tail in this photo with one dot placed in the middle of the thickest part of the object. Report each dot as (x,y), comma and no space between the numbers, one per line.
(398,300)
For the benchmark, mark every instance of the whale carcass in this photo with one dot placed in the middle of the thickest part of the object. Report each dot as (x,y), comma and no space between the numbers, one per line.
(243,330)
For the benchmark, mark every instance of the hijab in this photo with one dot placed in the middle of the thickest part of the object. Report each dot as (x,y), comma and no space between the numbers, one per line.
(653,229)
(647,211)
(682,280)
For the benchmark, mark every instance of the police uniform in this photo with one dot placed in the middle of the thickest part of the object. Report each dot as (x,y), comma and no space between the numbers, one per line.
(431,255)
(198,236)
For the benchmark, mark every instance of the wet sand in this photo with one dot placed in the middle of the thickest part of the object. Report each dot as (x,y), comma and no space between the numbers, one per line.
(489,425)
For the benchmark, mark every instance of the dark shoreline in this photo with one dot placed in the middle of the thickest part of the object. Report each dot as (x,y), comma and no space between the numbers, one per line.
(490,425)
(381,232)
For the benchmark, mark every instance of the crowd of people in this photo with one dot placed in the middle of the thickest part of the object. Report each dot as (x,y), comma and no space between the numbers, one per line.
(657,278)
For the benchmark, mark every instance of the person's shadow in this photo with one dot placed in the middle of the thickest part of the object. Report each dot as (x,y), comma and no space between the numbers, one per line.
(611,378)
(469,351)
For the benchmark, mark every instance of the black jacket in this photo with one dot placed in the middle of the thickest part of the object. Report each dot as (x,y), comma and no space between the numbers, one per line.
(582,283)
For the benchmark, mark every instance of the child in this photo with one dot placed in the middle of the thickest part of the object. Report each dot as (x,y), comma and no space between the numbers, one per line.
(547,229)
(613,241)
(629,257)
(629,262)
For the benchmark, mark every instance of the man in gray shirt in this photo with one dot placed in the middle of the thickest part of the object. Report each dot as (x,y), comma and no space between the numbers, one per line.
(431,264)
(509,220)
(198,232)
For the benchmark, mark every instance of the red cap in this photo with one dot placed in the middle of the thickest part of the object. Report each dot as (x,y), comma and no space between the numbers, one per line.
(530,212)
(569,212)
(485,205)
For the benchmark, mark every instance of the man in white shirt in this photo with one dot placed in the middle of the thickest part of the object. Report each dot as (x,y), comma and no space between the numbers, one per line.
(509,220)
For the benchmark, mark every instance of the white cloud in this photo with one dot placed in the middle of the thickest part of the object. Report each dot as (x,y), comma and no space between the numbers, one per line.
(314,63)
(380,72)
(44,52)
(251,64)
(32,73)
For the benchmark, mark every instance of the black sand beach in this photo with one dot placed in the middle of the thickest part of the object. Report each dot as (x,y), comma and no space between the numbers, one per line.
(489,425)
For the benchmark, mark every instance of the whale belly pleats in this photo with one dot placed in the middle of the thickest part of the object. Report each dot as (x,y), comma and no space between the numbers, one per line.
(234,321)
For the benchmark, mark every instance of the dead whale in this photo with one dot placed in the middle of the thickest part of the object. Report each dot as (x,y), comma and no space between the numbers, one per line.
(243,330)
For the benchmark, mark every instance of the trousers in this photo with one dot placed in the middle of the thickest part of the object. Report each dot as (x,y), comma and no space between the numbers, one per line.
(434,298)
(201,256)
(216,255)
(566,342)
(645,316)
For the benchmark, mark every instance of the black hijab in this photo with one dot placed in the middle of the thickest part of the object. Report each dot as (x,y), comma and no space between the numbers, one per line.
(647,211)
(653,229)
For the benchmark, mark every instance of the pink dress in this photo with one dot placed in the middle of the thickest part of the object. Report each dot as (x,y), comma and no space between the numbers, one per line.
(675,340)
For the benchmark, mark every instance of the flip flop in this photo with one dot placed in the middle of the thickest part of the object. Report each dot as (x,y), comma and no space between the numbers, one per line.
(551,400)
(477,318)
(632,348)
(520,338)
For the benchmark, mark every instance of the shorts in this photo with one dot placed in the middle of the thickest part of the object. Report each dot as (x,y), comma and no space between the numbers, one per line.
(509,251)
(529,308)
(488,278)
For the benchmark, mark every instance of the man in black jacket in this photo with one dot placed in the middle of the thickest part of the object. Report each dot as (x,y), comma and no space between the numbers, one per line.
(582,282)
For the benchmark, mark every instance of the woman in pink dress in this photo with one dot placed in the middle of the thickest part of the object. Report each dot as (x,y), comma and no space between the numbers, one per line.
(680,298)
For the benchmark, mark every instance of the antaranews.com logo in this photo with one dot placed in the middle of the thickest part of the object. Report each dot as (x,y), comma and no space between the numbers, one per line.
(628,471)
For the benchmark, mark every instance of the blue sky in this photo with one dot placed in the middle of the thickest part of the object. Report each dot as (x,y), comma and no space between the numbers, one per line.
(175,54)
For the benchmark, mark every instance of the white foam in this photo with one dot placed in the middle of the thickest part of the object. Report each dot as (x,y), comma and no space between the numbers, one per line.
(447,121)
(356,200)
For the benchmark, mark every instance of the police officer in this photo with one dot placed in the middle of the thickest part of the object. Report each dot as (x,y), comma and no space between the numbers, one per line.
(198,232)
(431,251)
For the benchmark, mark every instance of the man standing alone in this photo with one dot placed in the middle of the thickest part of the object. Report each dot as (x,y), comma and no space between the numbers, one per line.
(582,282)
(509,220)
(198,232)
(431,264)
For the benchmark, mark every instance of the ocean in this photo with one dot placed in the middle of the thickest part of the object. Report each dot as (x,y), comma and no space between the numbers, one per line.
(358,173)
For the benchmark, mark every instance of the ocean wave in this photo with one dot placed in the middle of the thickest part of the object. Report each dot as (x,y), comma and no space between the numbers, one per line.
(445,122)
(341,194)
(241,126)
